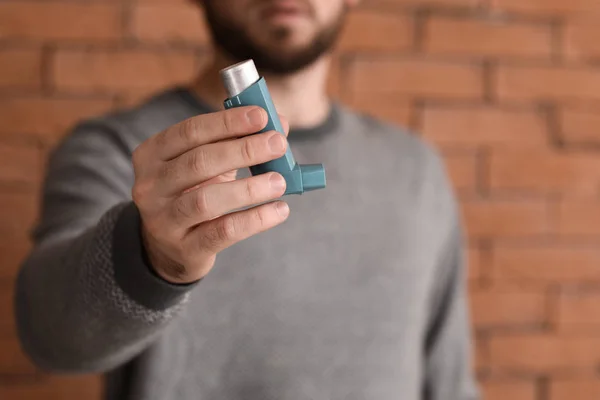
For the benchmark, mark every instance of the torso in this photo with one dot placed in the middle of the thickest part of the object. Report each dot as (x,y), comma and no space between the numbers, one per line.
(330,305)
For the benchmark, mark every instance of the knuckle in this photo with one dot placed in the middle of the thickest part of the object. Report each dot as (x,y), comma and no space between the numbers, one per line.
(160,139)
(201,207)
(187,130)
(181,209)
(137,195)
(228,122)
(259,217)
(226,230)
(252,189)
(197,161)
(165,171)
(139,192)
(248,151)
(210,240)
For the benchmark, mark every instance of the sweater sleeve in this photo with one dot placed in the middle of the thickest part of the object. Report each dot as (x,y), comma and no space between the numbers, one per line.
(449,373)
(86,298)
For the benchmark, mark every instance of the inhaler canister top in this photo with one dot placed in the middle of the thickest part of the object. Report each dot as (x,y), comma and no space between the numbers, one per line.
(239,77)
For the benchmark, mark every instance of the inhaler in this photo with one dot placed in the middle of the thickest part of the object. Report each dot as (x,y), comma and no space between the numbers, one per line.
(245,87)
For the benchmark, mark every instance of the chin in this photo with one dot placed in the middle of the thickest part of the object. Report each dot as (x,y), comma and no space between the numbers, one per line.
(284,37)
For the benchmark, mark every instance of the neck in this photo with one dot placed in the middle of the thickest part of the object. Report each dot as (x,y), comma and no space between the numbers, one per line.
(301,97)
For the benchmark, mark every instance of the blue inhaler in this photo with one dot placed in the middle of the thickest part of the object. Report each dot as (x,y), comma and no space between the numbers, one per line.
(246,88)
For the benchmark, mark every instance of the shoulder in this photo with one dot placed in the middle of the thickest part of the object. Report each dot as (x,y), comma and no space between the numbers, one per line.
(156,114)
(122,130)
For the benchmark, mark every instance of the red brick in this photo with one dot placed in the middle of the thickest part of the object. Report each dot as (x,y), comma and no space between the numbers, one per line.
(487,38)
(54,20)
(571,389)
(417,78)
(545,265)
(505,218)
(475,264)
(580,126)
(334,79)
(12,254)
(20,163)
(479,353)
(17,214)
(544,352)
(520,390)
(20,68)
(133,97)
(578,310)
(579,218)
(163,22)
(547,7)
(12,359)
(390,108)
(478,126)
(548,83)
(55,388)
(121,70)
(462,168)
(48,118)
(376,31)
(507,308)
(580,41)
(544,171)
(7,324)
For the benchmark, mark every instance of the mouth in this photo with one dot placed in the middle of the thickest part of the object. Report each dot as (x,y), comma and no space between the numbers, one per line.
(284,10)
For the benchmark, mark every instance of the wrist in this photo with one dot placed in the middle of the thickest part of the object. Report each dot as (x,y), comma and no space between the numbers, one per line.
(164,266)
(161,264)
(132,269)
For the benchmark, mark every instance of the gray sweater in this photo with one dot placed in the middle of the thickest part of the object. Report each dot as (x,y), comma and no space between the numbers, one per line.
(360,294)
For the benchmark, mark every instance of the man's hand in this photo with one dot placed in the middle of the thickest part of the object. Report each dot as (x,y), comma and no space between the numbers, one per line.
(185,189)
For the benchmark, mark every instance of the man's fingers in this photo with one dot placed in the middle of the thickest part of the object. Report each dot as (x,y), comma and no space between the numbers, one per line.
(206,203)
(208,128)
(206,162)
(214,236)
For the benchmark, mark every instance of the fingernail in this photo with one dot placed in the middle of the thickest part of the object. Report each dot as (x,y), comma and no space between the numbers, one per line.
(277,143)
(256,117)
(283,209)
(277,182)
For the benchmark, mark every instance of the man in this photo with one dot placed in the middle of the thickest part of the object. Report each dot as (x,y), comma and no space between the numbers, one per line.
(141,269)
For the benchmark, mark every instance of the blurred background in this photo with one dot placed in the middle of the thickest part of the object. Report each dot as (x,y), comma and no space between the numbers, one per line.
(509,91)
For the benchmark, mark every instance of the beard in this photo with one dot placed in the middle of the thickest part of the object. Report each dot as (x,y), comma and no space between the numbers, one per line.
(275,59)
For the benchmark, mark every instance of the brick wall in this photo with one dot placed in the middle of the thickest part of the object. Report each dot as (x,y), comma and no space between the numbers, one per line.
(508,89)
